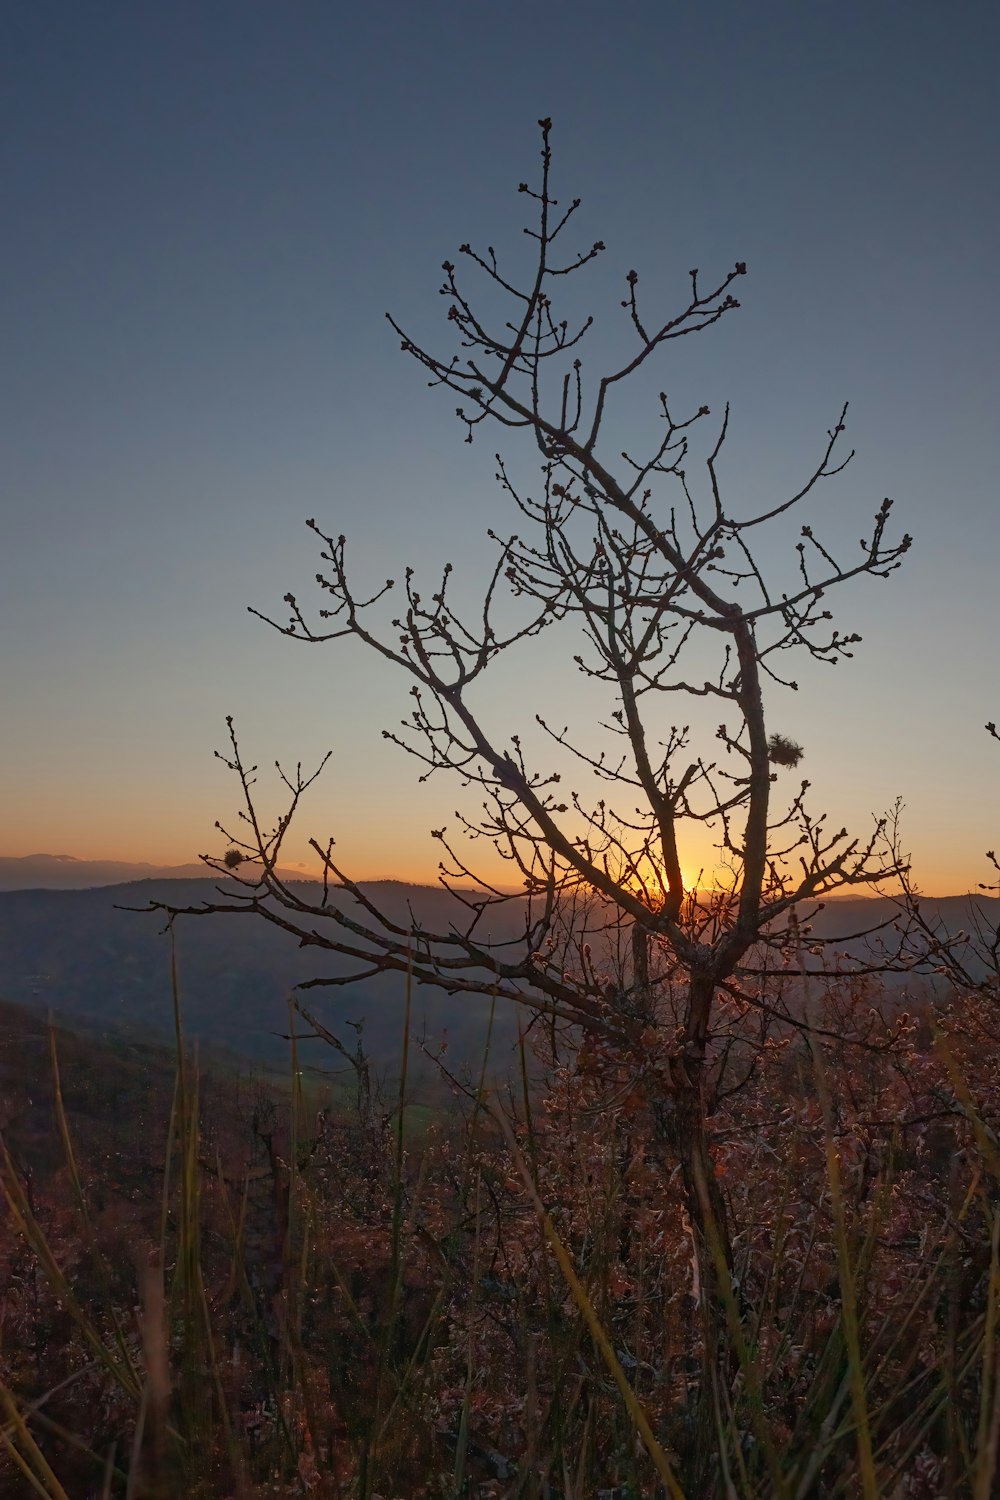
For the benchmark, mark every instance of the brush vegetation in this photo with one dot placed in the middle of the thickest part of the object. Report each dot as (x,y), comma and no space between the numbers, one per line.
(220,1287)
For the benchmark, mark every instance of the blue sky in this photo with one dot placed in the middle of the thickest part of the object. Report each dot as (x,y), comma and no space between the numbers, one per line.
(209,209)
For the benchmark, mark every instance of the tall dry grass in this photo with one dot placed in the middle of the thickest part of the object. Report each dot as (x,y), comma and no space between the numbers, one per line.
(501,1296)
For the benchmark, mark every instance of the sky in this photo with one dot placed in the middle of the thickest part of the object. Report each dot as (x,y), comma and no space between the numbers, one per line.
(208,210)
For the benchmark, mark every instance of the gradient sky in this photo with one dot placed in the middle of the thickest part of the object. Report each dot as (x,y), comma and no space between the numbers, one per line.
(208,209)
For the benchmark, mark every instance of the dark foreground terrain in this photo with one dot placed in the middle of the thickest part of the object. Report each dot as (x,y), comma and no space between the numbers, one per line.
(216,1285)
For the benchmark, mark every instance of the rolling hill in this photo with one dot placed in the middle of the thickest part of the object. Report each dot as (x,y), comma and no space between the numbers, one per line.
(78,953)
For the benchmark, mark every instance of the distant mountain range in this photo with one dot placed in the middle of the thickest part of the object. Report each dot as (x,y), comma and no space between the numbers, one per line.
(79,954)
(76,952)
(63,872)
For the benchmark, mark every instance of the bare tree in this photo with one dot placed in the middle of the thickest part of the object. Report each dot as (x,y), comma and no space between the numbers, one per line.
(658,573)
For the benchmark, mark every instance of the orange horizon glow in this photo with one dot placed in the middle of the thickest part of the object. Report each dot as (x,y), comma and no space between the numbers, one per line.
(419,872)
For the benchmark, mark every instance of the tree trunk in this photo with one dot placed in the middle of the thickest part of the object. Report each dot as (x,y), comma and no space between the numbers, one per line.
(679,1123)
(679,1115)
